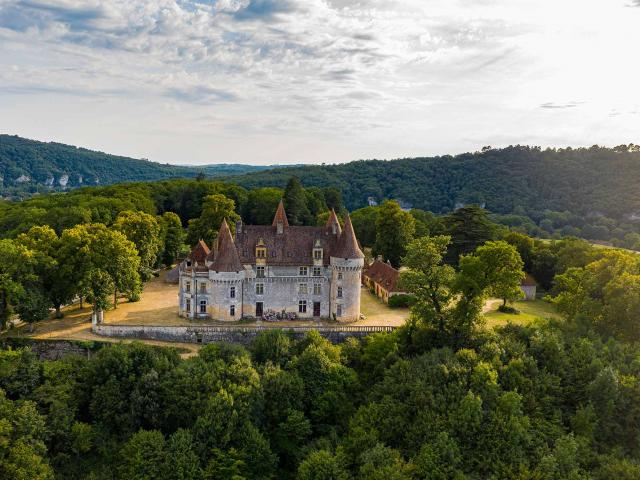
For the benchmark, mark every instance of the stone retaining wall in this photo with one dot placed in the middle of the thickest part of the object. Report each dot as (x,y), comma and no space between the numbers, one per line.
(52,349)
(241,335)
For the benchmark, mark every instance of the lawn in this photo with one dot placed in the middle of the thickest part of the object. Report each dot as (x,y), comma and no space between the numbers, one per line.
(529,311)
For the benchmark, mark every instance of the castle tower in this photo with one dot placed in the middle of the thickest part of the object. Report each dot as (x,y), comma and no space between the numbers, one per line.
(333,225)
(226,275)
(280,219)
(346,262)
(193,276)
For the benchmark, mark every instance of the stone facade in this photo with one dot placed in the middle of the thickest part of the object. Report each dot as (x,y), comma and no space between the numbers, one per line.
(314,272)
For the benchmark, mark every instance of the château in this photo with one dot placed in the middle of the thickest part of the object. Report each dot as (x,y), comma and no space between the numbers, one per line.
(312,271)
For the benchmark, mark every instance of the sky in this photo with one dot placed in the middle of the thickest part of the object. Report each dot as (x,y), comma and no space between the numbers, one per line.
(319,81)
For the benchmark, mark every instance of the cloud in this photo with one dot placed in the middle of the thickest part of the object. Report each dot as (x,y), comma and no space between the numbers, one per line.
(25,14)
(200,95)
(560,106)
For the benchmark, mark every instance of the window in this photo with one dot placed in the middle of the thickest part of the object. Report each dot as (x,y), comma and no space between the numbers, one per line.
(232,310)
(317,289)
(303,271)
(339,275)
(302,288)
(203,287)
(188,305)
(232,292)
(261,252)
(317,254)
(260,272)
(259,288)
(302,306)
(338,310)
(317,271)
(339,292)
(187,287)
(203,306)
(188,263)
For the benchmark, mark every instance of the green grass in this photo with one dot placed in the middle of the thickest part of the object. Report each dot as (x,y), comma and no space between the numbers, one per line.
(529,312)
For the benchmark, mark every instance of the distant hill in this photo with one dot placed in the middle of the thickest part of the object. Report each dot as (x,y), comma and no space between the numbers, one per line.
(28,166)
(527,180)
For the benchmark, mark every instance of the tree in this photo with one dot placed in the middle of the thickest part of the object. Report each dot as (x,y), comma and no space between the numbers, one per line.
(174,236)
(182,463)
(333,198)
(48,258)
(295,203)
(261,205)
(364,225)
(321,465)
(496,268)
(15,263)
(429,279)
(99,287)
(33,306)
(215,208)
(143,456)
(144,231)
(469,227)
(394,230)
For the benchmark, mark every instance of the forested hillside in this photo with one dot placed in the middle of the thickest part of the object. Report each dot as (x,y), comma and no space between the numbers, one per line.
(28,166)
(518,179)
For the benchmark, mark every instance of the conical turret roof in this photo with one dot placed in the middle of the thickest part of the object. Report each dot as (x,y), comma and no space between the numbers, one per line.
(347,243)
(199,252)
(226,259)
(280,216)
(333,220)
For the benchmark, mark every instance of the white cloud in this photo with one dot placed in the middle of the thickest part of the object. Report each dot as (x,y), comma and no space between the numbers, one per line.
(317,80)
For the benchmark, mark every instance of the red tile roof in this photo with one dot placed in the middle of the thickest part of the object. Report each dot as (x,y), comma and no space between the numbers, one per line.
(528,281)
(383,274)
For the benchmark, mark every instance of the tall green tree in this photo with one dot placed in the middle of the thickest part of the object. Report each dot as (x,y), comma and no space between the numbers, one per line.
(295,203)
(261,205)
(144,231)
(215,208)
(15,264)
(496,268)
(174,237)
(364,225)
(394,230)
(469,227)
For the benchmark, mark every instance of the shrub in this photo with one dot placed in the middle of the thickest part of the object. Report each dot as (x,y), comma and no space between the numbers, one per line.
(402,300)
(508,309)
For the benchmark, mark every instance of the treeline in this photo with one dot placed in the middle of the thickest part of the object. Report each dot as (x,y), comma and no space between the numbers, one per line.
(28,167)
(586,192)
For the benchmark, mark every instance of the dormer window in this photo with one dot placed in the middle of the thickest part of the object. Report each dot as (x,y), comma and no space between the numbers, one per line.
(261,249)
(317,254)
(188,263)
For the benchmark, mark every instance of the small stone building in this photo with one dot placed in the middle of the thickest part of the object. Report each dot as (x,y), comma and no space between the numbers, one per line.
(382,279)
(314,272)
(529,287)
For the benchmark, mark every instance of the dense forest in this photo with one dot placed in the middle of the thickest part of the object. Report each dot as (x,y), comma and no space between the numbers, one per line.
(443,397)
(29,166)
(440,398)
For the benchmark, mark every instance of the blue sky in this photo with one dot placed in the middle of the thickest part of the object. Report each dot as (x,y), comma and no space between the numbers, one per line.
(288,81)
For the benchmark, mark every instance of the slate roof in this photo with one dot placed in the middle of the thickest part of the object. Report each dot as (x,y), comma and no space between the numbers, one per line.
(347,243)
(226,257)
(383,274)
(333,220)
(293,247)
(199,252)
(280,216)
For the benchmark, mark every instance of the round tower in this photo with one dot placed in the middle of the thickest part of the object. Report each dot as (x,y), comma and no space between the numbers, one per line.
(226,276)
(346,262)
